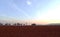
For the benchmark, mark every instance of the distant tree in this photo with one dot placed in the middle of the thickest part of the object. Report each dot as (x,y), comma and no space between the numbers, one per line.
(1,24)
(33,24)
(18,24)
(14,24)
(24,24)
(7,24)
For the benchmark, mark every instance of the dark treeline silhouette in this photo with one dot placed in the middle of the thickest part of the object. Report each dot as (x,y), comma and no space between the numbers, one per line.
(15,24)
(1,24)
(7,24)
(33,24)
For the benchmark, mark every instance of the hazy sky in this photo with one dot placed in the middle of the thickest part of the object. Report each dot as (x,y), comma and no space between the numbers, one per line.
(46,10)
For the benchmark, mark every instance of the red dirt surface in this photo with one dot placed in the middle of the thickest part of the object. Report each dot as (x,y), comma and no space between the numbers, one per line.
(29,31)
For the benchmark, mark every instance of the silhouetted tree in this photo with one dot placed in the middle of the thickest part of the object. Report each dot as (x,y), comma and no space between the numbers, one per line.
(33,24)
(14,24)
(1,24)
(18,24)
(7,24)
(23,24)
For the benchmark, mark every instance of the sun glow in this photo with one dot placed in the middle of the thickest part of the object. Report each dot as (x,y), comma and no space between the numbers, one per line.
(50,15)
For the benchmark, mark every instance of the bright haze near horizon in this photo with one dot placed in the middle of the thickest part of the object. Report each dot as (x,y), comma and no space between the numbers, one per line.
(30,11)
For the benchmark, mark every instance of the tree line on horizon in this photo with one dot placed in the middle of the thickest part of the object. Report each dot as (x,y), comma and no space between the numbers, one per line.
(33,24)
(15,24)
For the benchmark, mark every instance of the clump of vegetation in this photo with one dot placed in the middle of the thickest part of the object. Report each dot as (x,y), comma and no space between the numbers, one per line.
(20,24)
(33,24)
(16,24)
(1,24)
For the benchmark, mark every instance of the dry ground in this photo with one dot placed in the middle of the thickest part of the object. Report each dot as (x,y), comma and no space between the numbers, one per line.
(29,31)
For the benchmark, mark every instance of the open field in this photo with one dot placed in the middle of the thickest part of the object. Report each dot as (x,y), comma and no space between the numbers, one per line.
(29,31)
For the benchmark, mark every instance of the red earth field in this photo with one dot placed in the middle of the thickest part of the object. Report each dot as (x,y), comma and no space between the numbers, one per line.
(29,31)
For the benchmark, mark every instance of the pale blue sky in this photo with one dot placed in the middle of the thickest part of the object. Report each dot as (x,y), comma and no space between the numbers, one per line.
(29,9)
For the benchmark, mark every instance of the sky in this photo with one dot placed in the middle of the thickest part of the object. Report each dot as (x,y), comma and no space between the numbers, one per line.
(37,11)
